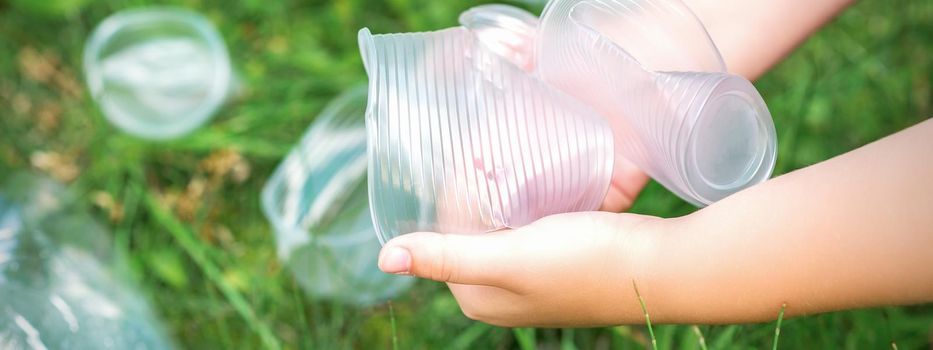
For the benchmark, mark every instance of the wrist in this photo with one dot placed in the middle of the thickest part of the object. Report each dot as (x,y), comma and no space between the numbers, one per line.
(715,266)
(641,255)
(670,274)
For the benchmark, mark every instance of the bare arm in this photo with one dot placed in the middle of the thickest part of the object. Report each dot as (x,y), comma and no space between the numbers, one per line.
(753,36)
(854,231)
(851,232)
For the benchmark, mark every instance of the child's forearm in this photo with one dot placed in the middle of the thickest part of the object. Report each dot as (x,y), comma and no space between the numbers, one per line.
(853,231)
(753,36)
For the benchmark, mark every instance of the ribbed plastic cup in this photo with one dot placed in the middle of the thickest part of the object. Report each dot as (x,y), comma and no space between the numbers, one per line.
(506,31)
(157,73)
(463,140)
(651,69)
(506,119)
(318,205)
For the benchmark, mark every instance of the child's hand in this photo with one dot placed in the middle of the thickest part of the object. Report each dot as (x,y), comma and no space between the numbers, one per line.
(627,182)
(853,231)
(569,269)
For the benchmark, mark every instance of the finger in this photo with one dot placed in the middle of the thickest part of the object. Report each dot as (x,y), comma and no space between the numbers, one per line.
(627,182)
(466,259)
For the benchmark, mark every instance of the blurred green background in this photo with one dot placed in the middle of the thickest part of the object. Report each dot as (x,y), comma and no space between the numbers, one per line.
(185,213)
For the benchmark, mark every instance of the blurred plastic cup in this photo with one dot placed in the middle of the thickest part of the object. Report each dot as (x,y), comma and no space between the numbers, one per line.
(318,206)
(157,73)
(56,291)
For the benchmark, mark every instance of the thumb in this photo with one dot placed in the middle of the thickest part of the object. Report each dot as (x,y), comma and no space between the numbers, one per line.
(463,259)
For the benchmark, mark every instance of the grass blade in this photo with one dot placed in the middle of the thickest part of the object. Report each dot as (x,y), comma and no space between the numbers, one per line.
(566,339)
(393,326)
(777,330)
(525,338)
(465,339)
(700,337)
(194,249)
(644,308)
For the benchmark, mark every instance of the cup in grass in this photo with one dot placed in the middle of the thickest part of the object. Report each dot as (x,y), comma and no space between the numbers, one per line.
(157,73)
(318,205)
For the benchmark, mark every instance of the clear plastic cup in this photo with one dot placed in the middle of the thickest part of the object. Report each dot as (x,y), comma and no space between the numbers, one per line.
(57,293)
(463,140)
(506,31)
(652,70)
(318,205)
(157,73)
(506,119)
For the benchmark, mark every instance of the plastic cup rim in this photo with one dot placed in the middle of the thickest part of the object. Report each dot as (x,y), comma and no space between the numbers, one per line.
(765,160)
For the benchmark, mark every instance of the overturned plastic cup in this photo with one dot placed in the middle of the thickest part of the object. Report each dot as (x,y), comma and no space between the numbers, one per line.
(317,203)
(509,118)
(651,69)
(157,73)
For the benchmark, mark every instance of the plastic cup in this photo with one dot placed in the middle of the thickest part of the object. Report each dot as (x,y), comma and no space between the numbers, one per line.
(506,31)
(652,70)
(57,292)
(157,73)
(318,206)
(463,140)
(510,118)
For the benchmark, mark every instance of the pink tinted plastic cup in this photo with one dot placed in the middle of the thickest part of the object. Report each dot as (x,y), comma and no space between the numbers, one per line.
(510,118)
(650,68)
(463,140)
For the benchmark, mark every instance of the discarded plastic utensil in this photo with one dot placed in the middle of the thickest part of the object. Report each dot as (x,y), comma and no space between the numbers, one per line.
(509,118)
(316,201)
(57,294)
(157,73)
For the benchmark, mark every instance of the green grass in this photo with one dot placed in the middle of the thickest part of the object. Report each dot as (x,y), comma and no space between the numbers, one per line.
(644,309)
(777,329)
(207,258)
